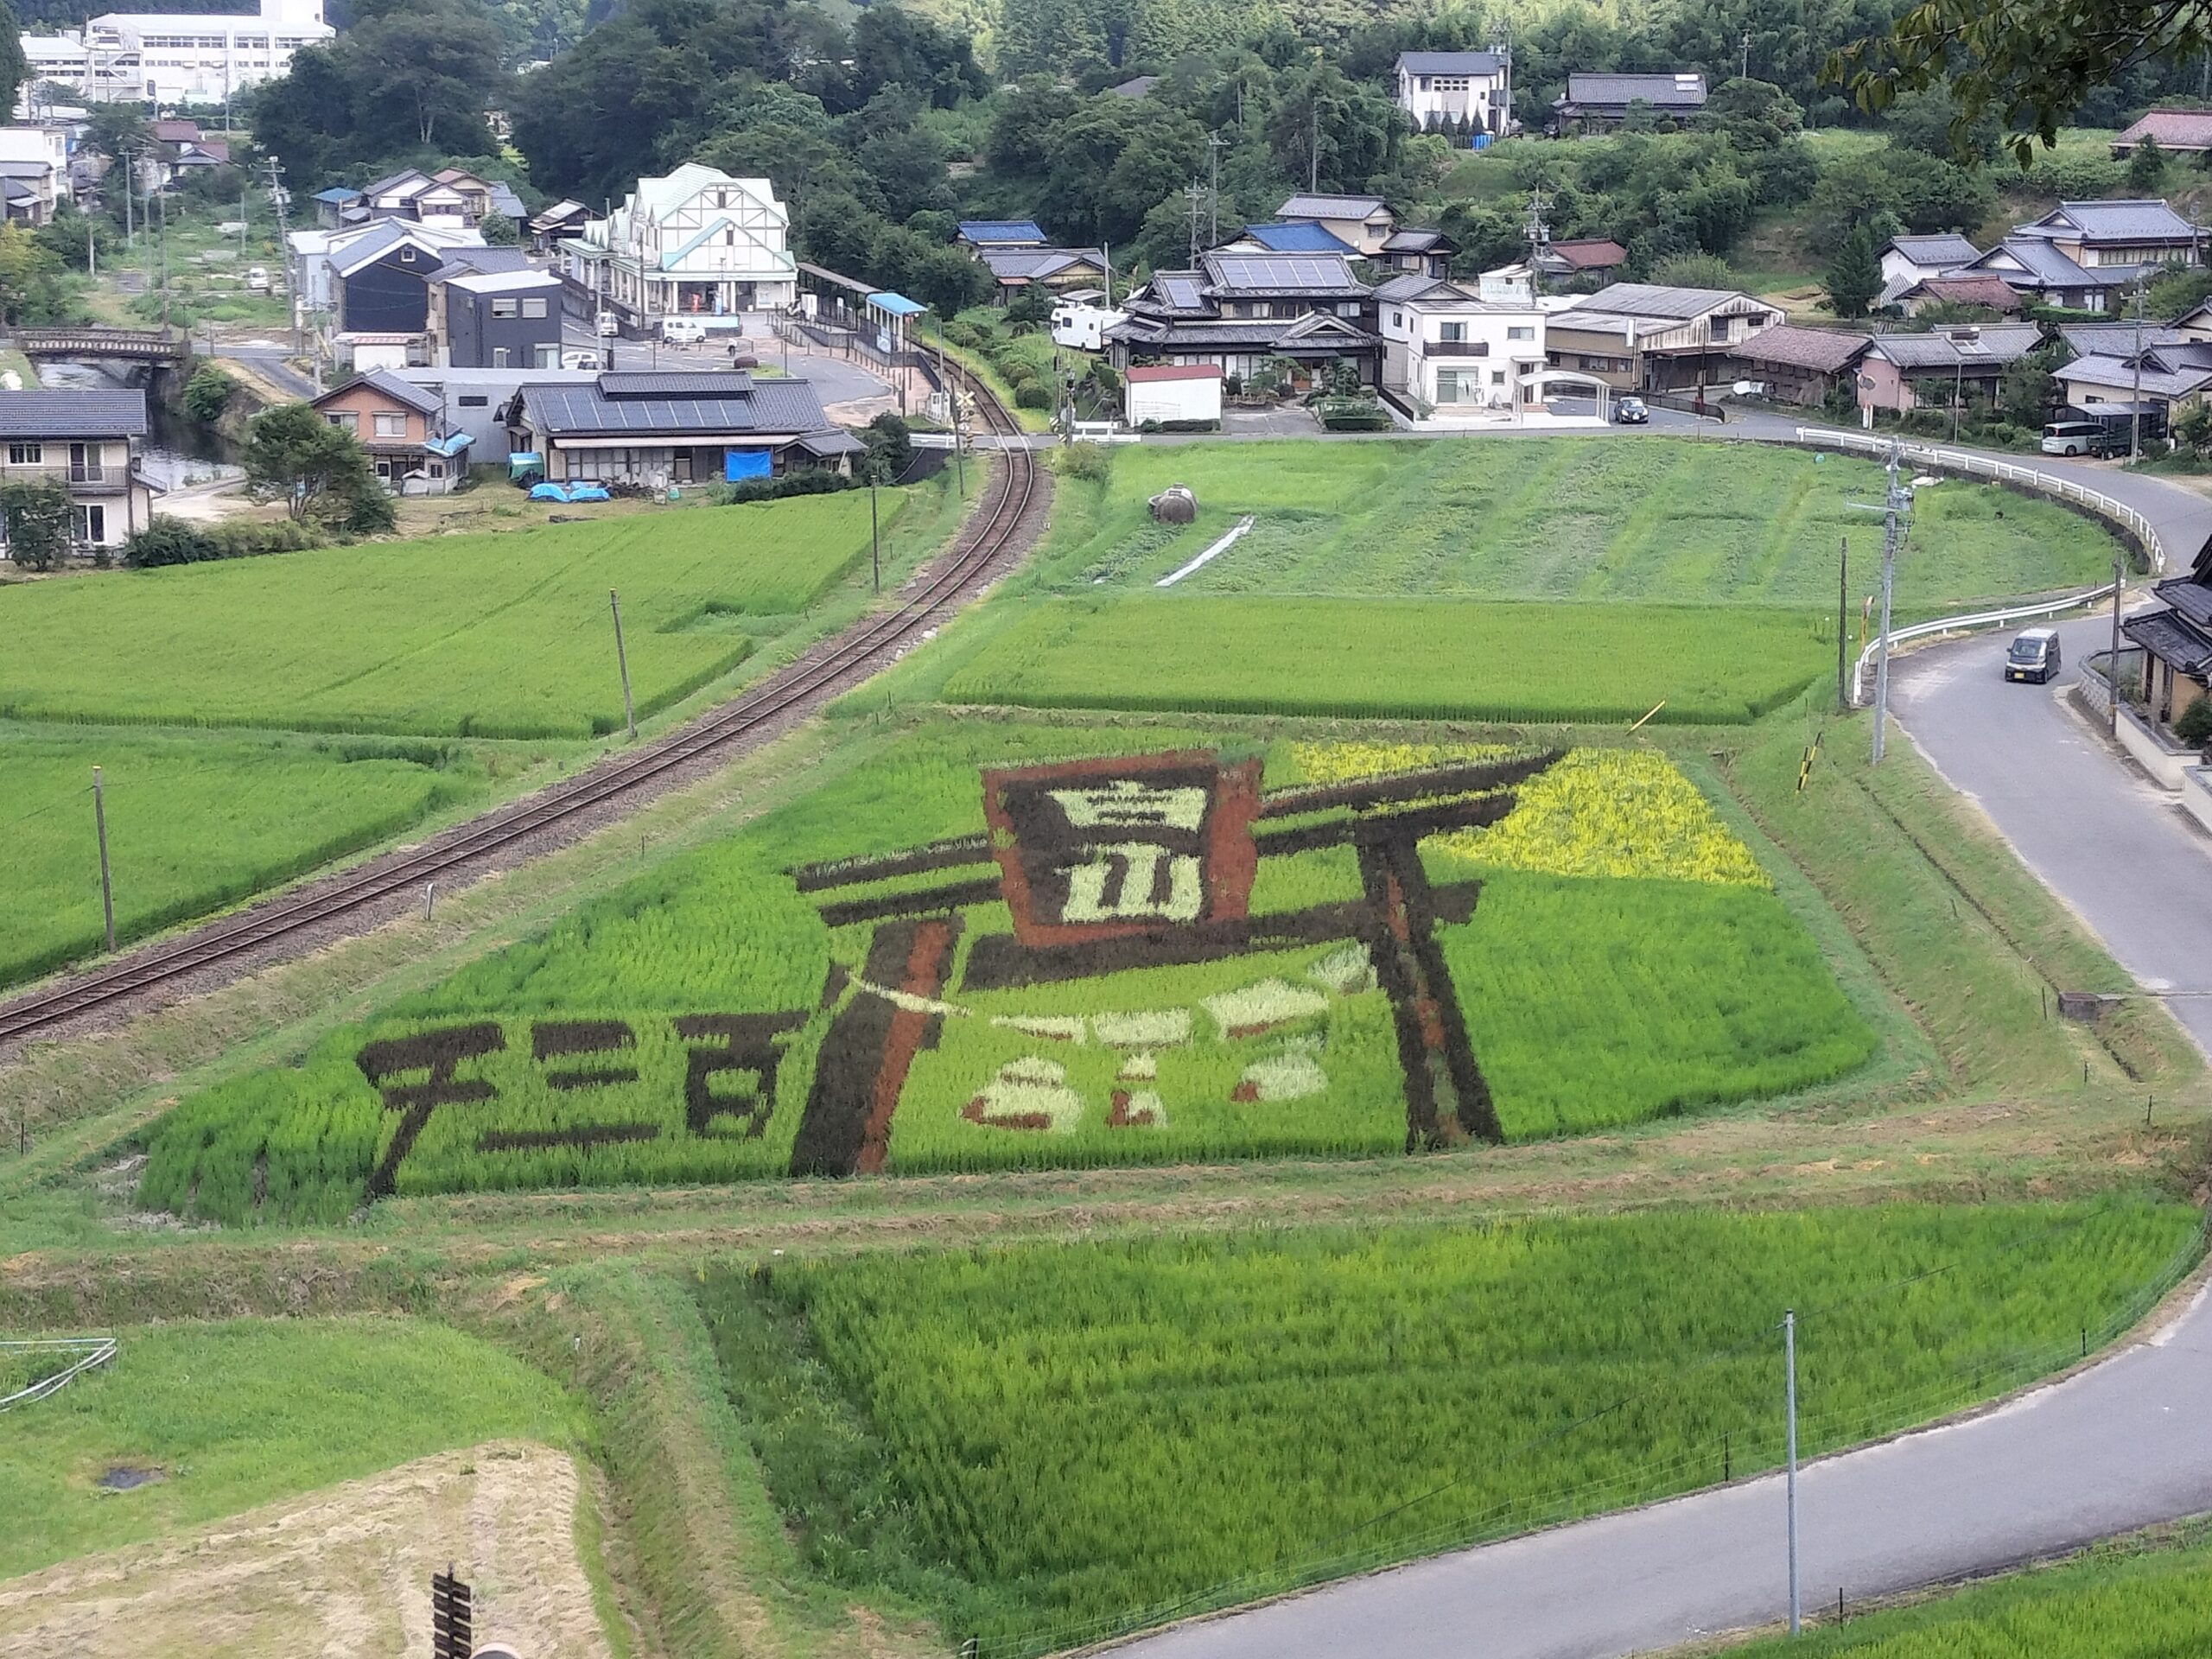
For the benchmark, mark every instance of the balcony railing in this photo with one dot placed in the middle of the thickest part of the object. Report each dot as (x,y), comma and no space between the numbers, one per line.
(1455,348)
(88,474)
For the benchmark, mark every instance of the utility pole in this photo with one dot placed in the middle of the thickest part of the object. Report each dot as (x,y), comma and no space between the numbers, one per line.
(1215,144)
(1897,500)
(1790,1406)
(2112,663)
(1745,72)
(1539,235)
(622,663)
(1191,195)
(2135,436)
(107,888)
(1842,623)
(874,533)
(129,202)
(1313,146)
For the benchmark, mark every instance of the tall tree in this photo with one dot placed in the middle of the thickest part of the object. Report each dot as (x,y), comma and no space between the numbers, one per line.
(317,470)
(1854,276)
(14,68)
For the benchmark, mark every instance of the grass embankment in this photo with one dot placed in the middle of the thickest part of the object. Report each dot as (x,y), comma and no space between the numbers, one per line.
(227,1416)
(2148,1598)
(490,635)
(1074,1432)
(1678,521)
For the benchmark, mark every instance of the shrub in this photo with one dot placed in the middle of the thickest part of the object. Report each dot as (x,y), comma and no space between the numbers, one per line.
(207,394)
(1092,462)
(1032,395)
(167,542)
(812,480)
(956,333)
(2194,724)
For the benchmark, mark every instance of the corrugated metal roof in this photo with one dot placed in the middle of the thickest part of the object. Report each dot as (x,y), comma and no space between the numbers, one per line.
(1300,236)
(1824,350)
(1650,300)
(1314,206)
(1002,232)
(72,414)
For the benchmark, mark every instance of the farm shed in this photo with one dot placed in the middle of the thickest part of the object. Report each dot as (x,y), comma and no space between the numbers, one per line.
(1172,393)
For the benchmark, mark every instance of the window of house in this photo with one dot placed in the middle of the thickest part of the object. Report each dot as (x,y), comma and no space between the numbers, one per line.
(91,524)
(475,400)
(1348,308)
(502,308)
(1451,331)
(502,358)
(407,254)
(26,454)
(391,426)
(548,357)
(1497,377)
(345,419)
(1397,319)
(533,307)
(1447,387)
(1521,333)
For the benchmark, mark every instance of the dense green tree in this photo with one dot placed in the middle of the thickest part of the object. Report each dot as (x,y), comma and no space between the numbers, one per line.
(1931,121)
(41,523)
(1854,274)
(207,394)
(319,471)
(1855,191)
(2146,167)
(2027,389)
(1332,132)
(30,279)
(74,237)
(2178,291)
(15,68)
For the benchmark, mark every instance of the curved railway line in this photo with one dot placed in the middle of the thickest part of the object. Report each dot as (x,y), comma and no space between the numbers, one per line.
(800,687)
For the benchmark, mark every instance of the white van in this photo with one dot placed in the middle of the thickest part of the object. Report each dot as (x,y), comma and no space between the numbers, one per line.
(683,331)
(609,324)
(2075,438)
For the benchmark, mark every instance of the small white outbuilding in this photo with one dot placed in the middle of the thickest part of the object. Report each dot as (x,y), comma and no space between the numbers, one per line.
(1169,393)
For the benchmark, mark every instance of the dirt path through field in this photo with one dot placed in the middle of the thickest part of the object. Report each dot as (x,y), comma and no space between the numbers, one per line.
(343,1573)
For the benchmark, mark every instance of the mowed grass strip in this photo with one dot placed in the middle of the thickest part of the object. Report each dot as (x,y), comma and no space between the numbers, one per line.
(1074,1432)
(2108,1604)
(504,635)
(192,823)
(1613,517)
(1438,660)
(226,1416)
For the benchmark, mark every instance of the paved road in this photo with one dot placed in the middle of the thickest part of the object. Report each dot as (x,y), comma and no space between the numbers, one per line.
(2120,1446)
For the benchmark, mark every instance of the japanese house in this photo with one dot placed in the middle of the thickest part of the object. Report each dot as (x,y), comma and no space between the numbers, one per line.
(402,427)
(88,443)
(658,429)
(1241,309)
(1601,103)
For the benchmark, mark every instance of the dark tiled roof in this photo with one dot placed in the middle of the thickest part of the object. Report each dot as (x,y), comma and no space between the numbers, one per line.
(2169,639)
(2192,599)
(72,414)
(1417,242)
(1947,248)
(1681,91)
(673,383)
(1824,350)
(1448,63)
(1991,343)
(2143,221)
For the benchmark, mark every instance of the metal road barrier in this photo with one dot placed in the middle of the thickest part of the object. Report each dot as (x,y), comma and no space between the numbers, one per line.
(2004,472)
(1961,624)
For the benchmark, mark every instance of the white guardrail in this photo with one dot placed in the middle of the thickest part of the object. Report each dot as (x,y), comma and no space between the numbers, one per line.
(2028,477)
(89,1351)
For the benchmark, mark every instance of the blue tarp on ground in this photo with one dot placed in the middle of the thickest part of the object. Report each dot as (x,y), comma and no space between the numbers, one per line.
(746,463)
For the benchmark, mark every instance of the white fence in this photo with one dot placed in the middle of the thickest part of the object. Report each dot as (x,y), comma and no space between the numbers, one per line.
(1961,624)
(83,1353)
(2005,472)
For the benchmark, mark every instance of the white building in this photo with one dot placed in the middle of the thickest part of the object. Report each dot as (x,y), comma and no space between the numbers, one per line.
(1438,89)
(1171,393)
(1462,353)
(34,171)
(171,58)
(1081,324)
(696,243)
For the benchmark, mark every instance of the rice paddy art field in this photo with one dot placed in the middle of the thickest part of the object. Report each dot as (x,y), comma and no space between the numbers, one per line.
(1028,947)
(1081,1436)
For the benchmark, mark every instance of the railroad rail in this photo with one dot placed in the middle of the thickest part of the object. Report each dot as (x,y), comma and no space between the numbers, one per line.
(798,688)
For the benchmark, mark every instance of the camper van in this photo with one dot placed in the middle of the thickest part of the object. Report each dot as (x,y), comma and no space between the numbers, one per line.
(1081,325)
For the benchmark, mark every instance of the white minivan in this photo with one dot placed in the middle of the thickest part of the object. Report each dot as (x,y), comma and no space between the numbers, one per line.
(683,331)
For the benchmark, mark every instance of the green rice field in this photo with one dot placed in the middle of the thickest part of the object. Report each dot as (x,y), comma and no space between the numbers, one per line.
(229,1415)
(1083,1435)
(1438,660)
(192,823)
(1645,519)
(1621,957)
(500,635)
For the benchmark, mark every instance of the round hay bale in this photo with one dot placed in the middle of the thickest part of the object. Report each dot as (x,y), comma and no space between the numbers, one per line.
(1175,505)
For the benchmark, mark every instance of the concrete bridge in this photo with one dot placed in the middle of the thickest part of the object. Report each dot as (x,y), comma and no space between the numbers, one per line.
(159,347)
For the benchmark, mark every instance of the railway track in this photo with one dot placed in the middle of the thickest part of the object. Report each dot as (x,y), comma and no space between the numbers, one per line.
(795,689)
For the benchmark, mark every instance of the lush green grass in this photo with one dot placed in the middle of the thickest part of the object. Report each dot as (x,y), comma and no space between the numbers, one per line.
(235,1414)
(496,635)
(1455,659)
(2107,1604)
(1626,960)
(191,822)
(1651,518)
(1080,1432)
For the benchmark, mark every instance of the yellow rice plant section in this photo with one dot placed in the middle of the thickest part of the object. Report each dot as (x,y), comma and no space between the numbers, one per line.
(1611,812)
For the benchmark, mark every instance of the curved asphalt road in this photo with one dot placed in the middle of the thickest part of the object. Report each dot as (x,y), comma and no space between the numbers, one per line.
(2122,1446)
